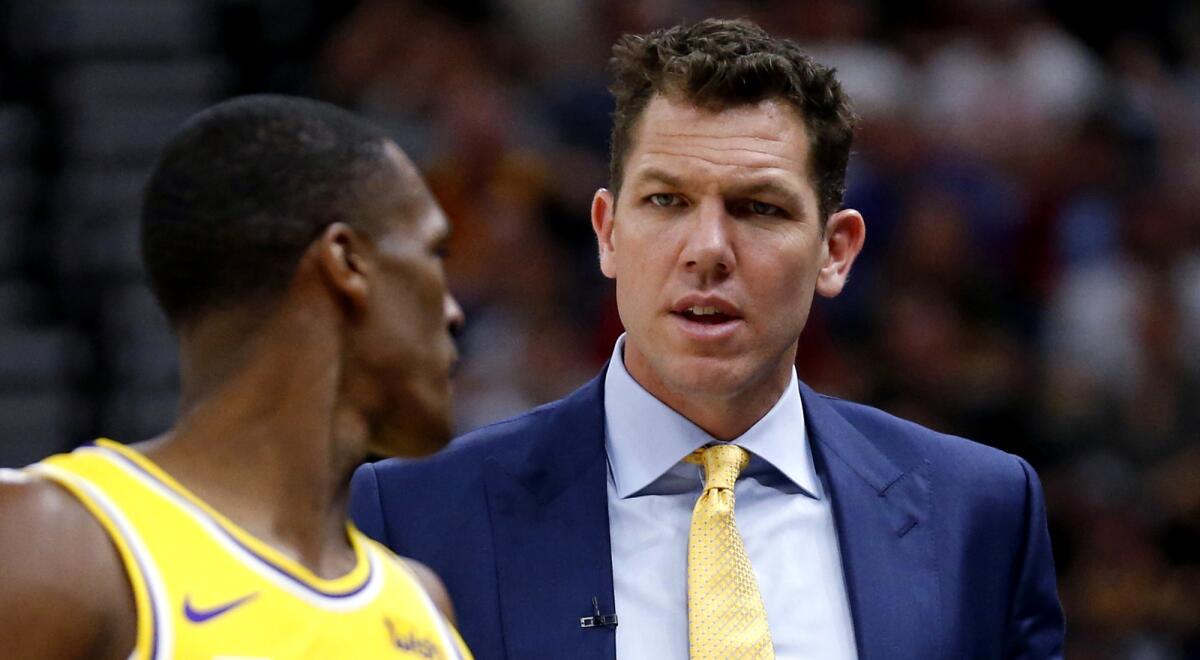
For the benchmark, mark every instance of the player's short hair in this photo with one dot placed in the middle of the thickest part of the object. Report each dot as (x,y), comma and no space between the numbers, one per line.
(719,63)
(240,193)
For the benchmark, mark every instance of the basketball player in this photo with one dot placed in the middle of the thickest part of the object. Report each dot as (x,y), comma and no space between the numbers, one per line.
(297,254)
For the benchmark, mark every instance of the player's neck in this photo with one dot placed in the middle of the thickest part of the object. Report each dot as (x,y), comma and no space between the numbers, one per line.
(266,447)
(277,474)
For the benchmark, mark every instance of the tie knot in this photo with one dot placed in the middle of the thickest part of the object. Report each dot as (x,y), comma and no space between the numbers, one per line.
(722,464)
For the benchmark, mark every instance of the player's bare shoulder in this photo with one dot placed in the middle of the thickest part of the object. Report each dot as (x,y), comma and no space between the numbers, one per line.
(433,586)
(65,592)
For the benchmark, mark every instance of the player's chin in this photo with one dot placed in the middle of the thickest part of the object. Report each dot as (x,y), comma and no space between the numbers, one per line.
(435,437)
(415,436)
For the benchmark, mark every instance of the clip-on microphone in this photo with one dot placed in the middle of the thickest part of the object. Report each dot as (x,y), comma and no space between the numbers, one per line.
(598,620)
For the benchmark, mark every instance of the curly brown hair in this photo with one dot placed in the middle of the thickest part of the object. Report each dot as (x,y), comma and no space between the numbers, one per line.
(719,63)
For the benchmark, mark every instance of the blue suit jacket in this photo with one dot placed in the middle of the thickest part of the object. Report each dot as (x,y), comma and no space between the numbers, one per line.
(944,544)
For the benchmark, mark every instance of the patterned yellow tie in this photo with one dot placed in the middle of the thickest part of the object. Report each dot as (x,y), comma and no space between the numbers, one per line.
(726,618)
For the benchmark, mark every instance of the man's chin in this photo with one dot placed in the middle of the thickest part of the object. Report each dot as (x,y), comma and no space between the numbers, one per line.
(706,377)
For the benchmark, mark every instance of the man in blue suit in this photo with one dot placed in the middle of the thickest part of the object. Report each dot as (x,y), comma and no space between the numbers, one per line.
(577,530)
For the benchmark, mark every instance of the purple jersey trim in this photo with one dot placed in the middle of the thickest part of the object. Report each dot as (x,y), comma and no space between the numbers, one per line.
(154,623)
(281,570)
(144,575)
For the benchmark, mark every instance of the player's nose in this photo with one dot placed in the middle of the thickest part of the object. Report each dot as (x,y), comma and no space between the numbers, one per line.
(455,318)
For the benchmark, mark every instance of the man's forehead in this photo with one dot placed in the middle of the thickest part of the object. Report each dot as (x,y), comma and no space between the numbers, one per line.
(767,119)
(764,134)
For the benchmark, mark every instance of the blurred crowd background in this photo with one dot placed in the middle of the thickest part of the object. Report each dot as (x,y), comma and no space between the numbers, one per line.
(1029,171)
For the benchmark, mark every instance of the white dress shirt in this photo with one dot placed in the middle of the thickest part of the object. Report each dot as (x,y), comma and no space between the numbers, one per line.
(783,513)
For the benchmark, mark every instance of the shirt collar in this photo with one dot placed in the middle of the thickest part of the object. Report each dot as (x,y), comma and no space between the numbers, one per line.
(645,438)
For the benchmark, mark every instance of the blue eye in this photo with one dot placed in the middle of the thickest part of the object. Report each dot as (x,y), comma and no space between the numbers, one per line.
(663,200)
(763,208)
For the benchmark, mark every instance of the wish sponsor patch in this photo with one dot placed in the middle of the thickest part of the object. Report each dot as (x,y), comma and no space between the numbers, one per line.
(407,639)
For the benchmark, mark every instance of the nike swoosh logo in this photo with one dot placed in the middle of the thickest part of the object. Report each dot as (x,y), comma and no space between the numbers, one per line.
(198,615)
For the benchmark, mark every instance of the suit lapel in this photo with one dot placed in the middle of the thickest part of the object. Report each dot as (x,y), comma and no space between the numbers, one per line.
(881,506)
(549,513)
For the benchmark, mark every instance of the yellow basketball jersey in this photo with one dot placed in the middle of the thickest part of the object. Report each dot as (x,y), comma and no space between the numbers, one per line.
(205,588)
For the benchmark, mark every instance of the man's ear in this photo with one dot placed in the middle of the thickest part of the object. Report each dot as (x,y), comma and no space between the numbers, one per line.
(342,261)
(603,209)
(845,233)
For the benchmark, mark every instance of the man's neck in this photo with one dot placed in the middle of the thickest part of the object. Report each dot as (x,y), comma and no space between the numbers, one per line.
(723,415)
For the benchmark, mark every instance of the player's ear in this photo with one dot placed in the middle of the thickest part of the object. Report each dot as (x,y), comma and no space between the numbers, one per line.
(844,235)
(603,207)
(341,258)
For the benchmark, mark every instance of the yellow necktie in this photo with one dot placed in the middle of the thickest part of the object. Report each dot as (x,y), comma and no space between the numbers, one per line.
(726,617)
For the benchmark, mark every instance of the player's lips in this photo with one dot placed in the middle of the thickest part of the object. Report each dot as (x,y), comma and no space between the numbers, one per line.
(706,317)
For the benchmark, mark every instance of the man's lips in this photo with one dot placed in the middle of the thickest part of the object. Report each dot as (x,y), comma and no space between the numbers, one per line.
(706,328)
(706,317)
(706,309)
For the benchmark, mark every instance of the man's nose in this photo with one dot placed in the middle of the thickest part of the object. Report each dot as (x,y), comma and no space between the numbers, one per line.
(709,247)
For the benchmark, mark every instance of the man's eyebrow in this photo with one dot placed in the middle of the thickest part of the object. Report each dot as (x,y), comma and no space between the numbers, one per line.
(654,174)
